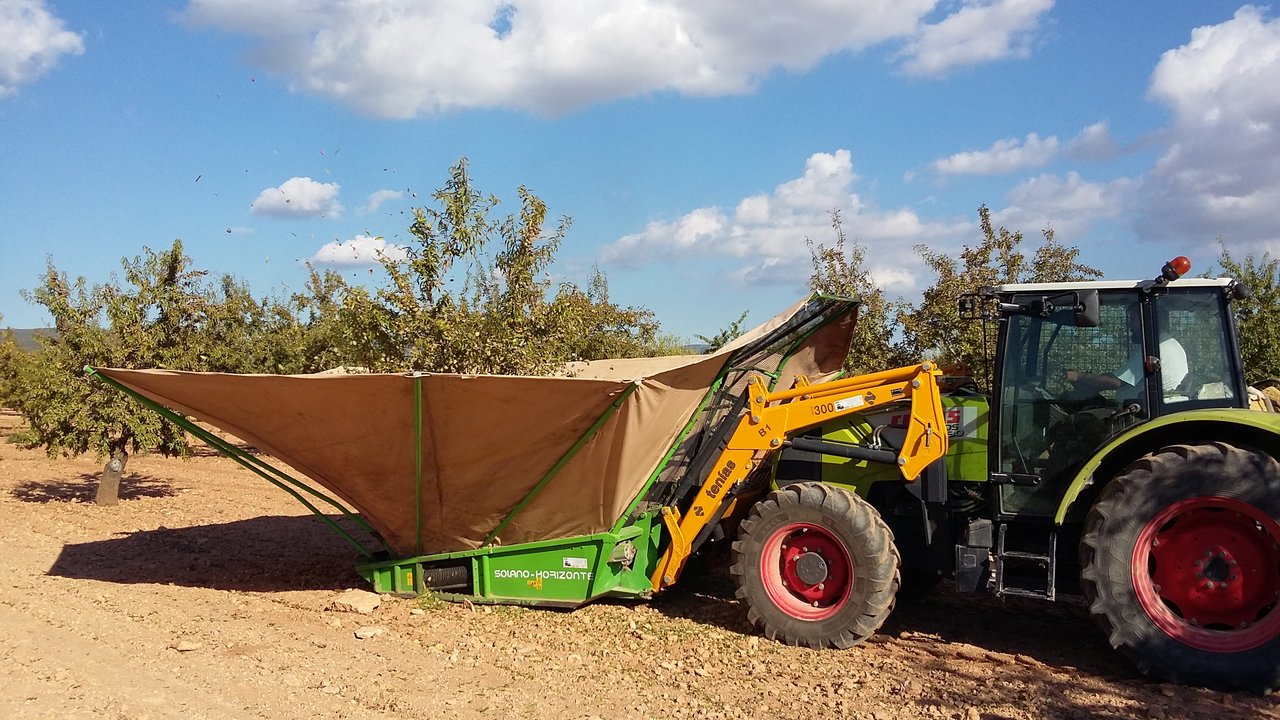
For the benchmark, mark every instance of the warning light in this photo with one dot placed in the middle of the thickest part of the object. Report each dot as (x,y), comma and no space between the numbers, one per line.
(1175,269)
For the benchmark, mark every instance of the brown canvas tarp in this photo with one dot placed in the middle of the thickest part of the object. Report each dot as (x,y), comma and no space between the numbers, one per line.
(486,441)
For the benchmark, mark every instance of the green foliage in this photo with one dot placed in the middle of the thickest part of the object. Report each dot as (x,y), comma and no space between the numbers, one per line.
(9,357)
(591,327)
(891,333)
(154,320)
(934,329)
(340,324)
(148,325)
(241,333)
(1258,316)
(165,314)
(725,336)
(840,270)
(666,344)
(449,307)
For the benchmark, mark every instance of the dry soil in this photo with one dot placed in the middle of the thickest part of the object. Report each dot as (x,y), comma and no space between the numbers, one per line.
(208,593)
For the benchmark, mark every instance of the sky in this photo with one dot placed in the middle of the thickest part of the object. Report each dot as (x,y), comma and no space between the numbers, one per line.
(695,145)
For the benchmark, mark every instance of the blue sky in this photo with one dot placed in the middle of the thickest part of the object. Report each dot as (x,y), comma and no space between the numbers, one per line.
(695,145)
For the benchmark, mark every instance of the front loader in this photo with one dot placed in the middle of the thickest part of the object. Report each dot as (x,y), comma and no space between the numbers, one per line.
(815,564)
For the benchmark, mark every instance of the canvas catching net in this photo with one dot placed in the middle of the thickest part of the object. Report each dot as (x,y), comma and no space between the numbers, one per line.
(437,462)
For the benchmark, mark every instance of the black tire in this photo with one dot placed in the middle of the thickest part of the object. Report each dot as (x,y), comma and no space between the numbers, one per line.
(1180,564)
(816,566)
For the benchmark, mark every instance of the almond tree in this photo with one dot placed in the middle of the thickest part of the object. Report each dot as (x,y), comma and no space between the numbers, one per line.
(160,316)
(71,414)
(474,293)
(342,325)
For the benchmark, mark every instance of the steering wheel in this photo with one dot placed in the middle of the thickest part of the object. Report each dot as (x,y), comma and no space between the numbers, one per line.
(1038,394)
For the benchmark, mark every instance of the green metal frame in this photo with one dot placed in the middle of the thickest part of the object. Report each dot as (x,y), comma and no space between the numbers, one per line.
(565,572)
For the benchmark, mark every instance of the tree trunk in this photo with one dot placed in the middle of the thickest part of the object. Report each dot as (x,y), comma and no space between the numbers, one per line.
(109,483)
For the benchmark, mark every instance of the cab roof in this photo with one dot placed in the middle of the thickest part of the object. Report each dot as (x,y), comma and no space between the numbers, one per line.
(1014,288)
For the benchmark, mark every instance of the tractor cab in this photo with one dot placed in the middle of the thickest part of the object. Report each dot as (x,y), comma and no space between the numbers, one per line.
(1078,363)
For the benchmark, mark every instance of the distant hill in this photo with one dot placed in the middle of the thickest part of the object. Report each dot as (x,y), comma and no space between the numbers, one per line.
(26,337)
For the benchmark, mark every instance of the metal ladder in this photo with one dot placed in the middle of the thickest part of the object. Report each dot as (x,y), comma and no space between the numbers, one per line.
(1045,559)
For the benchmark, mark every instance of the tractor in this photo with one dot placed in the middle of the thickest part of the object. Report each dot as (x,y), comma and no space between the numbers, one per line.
(1114,457)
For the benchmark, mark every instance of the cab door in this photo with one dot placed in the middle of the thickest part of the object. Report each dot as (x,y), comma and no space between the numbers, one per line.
(1046,426)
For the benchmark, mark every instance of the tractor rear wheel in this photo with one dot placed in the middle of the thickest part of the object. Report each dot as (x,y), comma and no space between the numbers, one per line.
(816,566)
(1180,563)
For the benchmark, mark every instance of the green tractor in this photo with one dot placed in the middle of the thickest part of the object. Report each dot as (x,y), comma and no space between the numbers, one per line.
(1115,457)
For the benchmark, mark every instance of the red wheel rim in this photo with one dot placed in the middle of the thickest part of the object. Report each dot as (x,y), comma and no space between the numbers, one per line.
(1207,572)
(790,571)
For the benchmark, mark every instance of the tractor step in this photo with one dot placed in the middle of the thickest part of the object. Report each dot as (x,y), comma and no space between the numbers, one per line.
(1029,570)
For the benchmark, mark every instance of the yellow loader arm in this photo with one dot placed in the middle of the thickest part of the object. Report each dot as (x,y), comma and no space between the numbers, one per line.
(771,417)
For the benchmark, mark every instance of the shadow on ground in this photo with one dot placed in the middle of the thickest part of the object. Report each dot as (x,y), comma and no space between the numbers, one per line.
(84,486)
(1029,649)
(262,554)
(1058,634)
(199,449)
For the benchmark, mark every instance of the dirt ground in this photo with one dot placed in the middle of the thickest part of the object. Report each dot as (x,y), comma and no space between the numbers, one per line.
(207,593)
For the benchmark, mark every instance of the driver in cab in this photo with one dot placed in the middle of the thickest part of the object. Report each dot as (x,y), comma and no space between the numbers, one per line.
(1128,377)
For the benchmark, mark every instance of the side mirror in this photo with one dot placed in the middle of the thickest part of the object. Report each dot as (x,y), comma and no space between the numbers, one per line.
(1077,307)
(1087,308)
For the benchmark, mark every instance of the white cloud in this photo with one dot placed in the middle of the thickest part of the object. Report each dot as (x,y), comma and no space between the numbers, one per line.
(360,251)
(299,197)
(1219,175)
(894,280)
(1069,205)
(402,58)
(1093,143)
(980,31)
(377,198)
(764,237)
(32,40)
(1003,157)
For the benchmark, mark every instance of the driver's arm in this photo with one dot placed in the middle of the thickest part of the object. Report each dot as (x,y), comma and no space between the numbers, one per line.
(1128,375)
(1101,381)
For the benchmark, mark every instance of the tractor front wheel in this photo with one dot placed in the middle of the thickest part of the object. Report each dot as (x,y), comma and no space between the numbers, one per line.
(816,566)
(1180,563)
